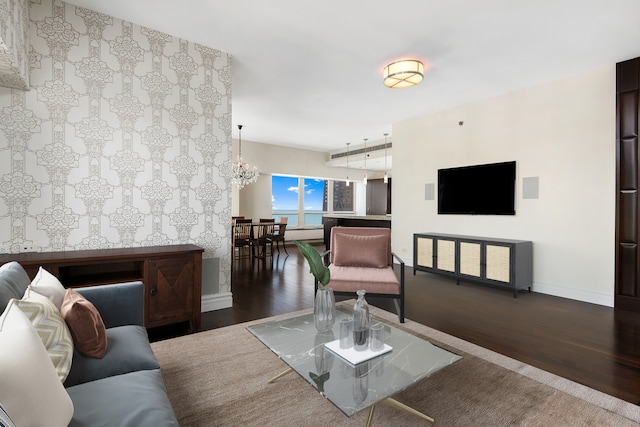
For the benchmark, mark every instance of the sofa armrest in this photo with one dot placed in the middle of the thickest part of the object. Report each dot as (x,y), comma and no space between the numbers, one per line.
(119,304)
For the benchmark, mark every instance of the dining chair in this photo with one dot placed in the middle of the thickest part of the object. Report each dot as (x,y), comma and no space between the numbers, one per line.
(241,242)
(278,235)
(264,239)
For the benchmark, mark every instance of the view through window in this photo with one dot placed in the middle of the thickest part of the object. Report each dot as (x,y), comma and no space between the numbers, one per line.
(304,200)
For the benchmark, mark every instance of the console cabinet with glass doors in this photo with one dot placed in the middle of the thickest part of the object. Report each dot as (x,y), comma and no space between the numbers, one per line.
(503,262)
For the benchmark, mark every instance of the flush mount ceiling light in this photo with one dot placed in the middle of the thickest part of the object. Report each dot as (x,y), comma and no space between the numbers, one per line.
(403,73)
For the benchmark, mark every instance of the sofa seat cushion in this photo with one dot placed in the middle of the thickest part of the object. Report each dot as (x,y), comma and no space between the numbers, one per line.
(136,399)
(377,280)
(128,350)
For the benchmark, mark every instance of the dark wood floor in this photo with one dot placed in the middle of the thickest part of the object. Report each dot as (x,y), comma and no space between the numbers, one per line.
(587,343)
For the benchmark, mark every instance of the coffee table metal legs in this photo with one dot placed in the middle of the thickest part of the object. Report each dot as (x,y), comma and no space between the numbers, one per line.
(280,375)
(404,408)
(388,401)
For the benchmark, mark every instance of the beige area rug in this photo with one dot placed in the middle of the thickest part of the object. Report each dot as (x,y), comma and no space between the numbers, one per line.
(219,378)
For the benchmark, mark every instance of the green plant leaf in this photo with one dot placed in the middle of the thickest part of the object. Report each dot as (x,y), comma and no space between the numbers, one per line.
(317,267)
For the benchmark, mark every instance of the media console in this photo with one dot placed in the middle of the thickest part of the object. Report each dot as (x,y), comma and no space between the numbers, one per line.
(172,276)
(502,262)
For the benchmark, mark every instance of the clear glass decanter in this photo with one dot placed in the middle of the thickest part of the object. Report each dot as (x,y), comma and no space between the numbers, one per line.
(360,322)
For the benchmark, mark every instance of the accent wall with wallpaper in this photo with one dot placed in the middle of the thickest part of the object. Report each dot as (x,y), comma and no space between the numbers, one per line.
(124,140)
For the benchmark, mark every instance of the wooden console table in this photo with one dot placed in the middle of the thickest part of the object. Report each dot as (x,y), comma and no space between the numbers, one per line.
(172,276)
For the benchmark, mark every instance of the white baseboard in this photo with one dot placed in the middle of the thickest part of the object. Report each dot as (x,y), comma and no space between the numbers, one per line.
(575,294)
(213,302)
(562,291)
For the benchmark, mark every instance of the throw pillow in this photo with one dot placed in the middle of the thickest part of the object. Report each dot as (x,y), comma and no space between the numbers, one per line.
(360,251)
(51,328)
(87,328)
(48,285)
(31,392)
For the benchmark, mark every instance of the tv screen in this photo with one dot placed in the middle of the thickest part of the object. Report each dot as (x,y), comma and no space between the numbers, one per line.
(478,190)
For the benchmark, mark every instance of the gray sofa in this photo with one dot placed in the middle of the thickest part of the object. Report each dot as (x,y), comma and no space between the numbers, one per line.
(125,387)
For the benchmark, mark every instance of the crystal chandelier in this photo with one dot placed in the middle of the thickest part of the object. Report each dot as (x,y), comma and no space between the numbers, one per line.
(241,172)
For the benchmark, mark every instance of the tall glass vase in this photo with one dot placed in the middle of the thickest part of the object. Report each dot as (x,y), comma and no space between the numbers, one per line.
(324,310)
(361,323)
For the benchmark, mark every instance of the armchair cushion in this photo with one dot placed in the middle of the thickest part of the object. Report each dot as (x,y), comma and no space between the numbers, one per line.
(377,280)
(361,251)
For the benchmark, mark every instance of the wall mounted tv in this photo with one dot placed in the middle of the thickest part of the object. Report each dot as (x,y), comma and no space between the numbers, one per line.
(478,190)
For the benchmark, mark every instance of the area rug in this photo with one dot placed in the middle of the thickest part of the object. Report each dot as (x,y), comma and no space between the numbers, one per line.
(219,378)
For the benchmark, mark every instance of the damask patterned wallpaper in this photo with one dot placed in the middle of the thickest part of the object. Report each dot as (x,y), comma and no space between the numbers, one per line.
(124,140)
(14,39)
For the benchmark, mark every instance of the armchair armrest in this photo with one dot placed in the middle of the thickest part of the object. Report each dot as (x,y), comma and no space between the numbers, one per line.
(324,256)
(119,304)
(400,261)
(394,255)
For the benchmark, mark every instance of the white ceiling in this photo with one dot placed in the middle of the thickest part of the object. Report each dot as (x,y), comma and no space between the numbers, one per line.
(308,74)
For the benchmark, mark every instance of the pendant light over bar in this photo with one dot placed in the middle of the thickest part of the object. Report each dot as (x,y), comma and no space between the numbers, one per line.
(386,175)
(347,184)
(364,180)
(403,73)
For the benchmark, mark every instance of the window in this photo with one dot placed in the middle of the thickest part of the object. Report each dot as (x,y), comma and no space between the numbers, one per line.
(342,197)
(315,201)
(284,198)
(304,200)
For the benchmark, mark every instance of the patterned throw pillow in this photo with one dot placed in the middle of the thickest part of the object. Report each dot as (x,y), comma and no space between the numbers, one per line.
(48,285)
(51,328)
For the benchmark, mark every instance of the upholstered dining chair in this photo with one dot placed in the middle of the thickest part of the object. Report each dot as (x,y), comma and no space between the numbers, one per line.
(278,235)
(361,258)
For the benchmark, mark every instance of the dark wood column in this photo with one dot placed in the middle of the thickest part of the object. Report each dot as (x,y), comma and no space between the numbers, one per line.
(627,293)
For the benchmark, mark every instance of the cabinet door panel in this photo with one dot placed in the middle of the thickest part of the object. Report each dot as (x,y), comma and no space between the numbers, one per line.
(446,255)
(170,288)
(498,263)
(425,252)
(470,259)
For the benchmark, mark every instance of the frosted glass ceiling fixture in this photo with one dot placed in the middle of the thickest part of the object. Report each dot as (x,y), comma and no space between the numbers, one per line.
(386,176)
(348,164)
(242,173)
(403,73)
(364,181)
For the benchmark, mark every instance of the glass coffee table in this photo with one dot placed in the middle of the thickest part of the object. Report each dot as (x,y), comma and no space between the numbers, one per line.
(352,388)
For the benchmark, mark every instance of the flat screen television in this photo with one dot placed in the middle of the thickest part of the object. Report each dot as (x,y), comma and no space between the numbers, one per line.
(478,190)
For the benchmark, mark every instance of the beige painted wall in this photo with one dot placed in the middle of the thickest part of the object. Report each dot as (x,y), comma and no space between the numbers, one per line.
(562,132)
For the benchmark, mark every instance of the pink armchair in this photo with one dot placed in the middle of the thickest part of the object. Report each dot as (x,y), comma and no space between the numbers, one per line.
(361,258)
